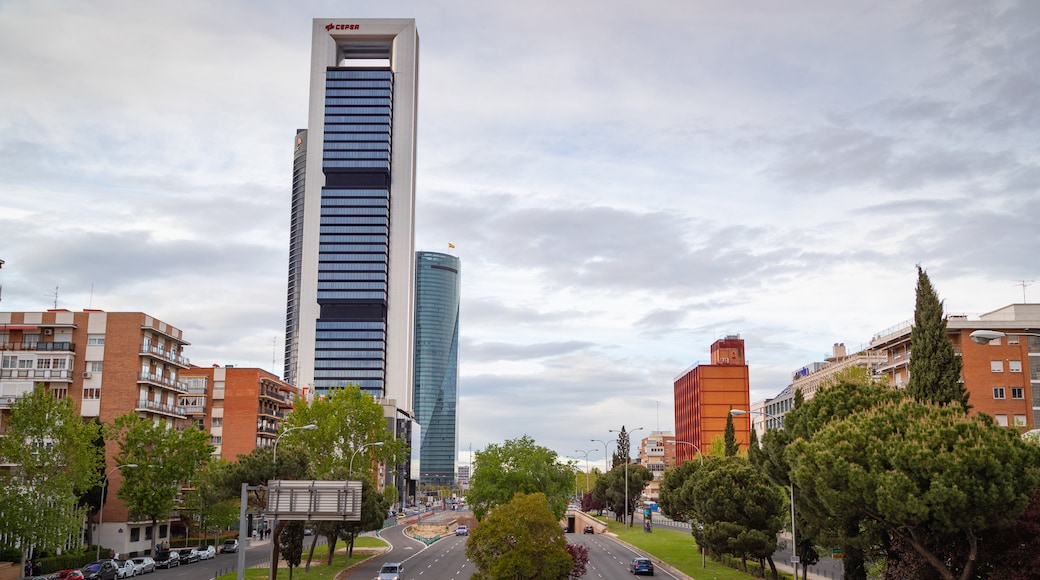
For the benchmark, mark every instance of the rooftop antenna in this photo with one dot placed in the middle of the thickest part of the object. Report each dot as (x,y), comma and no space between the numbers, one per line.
(274,350)
(55,297)
(1024,284)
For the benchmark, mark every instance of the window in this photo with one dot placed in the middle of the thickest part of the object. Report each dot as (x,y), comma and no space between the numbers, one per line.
(148,533)
(1018,393)
(96,339)
(998,392)
(96,366)
(1012,339)
(162,531)
(9,362)
(58,363)
(215,440)
(1001,420)
(216,422)
(91,394)
(135,534)
(996,366)
(1014,366)
(43,363)
(1020,420)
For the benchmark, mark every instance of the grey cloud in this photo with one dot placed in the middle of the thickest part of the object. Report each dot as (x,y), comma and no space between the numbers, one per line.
(499,351)
(483,312)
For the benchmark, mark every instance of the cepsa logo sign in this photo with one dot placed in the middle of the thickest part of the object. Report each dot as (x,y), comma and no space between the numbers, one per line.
(331,26)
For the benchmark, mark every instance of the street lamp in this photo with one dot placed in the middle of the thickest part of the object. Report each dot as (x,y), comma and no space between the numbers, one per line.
(586,466)
(274,459)
(606,455)
(984,336)
(794,537)
(101,508)
(676,442)
(366,445)
(628,459)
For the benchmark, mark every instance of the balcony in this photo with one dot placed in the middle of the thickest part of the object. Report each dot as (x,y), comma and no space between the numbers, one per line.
(161,408)
(264,412)
(165,382)
(39,346)
(163,354)
(266,430)
(273,395)
(193,409)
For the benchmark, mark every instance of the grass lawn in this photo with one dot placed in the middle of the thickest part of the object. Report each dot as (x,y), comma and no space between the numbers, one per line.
(319,571)
(677,548)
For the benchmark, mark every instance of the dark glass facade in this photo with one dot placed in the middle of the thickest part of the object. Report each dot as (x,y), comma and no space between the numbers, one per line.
(292,308)
(354,243)
(436,397)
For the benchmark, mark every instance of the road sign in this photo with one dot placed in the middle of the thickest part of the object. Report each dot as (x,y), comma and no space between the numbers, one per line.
(314,500)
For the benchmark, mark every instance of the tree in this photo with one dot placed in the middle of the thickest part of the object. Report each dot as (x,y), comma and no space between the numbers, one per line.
(676,499)
(291,544)
(622,450)
(214,508)
(54,460)
(921,472)
(935,368)
(518,466)
(611,489)
(90,499)
(165,458)
(580,555)
(520,539)
(730,437)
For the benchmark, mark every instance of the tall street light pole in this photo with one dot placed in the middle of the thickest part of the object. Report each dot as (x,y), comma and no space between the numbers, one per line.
(101,508)
(794,537)
(628,459)
(676,442)
(606,455)
(358,450)
(274,537)
(586,466)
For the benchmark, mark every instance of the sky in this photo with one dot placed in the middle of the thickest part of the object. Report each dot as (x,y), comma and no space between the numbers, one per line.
(623,182)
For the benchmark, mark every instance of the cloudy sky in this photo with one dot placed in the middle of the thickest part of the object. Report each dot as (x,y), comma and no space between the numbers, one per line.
(624,182)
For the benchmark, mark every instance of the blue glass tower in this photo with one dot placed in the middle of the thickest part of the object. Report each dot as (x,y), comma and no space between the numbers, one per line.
(436,396)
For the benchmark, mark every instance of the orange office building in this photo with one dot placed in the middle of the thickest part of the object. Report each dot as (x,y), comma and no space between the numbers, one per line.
(704,395)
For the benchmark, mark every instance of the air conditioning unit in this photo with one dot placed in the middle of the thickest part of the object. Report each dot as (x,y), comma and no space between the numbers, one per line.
(87,375)
(48,331)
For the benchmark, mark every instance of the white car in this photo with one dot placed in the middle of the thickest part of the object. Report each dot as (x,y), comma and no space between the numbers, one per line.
(206,552)
(143,565)
(125,569)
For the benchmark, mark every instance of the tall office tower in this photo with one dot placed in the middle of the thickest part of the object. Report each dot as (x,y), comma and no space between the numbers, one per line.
(704,396)
(436,394)
(349,315)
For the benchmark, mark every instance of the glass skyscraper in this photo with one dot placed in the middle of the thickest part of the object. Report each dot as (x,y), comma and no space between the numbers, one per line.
(436,397)
(349,313)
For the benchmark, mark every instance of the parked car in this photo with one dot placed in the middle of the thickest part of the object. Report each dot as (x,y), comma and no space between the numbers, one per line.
(167,559)
(144,565)
(66,575)
(101,570)
(188,555)
(589,530)
(391,571)
(461,531)
(229,546)
(206,552)
(125,569)
(640,566)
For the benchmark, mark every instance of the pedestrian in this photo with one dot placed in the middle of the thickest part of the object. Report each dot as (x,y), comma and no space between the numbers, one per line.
(28,568)
(37,568)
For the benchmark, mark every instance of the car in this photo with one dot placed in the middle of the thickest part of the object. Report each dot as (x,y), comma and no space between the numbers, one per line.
(641,566)
(188,555)
(101,570)
(167,559)
(144,565)
(589,530)
(461,531)
(126,568)
(391,571)
(206,552)
(308,531)
(66,575)
(229,546)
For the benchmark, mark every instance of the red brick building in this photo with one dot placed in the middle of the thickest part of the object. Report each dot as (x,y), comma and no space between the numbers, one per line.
(704,395)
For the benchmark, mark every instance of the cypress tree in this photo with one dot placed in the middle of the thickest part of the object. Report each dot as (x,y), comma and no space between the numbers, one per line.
(731,437)
(935,368)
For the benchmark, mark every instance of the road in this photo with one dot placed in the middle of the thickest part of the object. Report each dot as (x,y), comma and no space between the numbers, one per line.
(257,553)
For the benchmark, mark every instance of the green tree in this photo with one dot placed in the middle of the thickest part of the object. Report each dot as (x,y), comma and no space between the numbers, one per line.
(935,368)
(739,511)
(165,458)
(730,437)
(55,460)
(90,499)
(213,507)
(291,544)
(520,539)
(622,450)
(676,496)
(611,489)
(518,466)
(921,472)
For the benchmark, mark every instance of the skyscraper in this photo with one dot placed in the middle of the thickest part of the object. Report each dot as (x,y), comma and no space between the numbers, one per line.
(436,394)
(349,313)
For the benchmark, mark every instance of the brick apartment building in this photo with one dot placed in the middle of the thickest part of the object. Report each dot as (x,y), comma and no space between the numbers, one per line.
(1002,376)
(704,395)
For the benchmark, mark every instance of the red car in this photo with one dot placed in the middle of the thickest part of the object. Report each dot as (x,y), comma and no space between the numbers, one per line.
(66,575)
